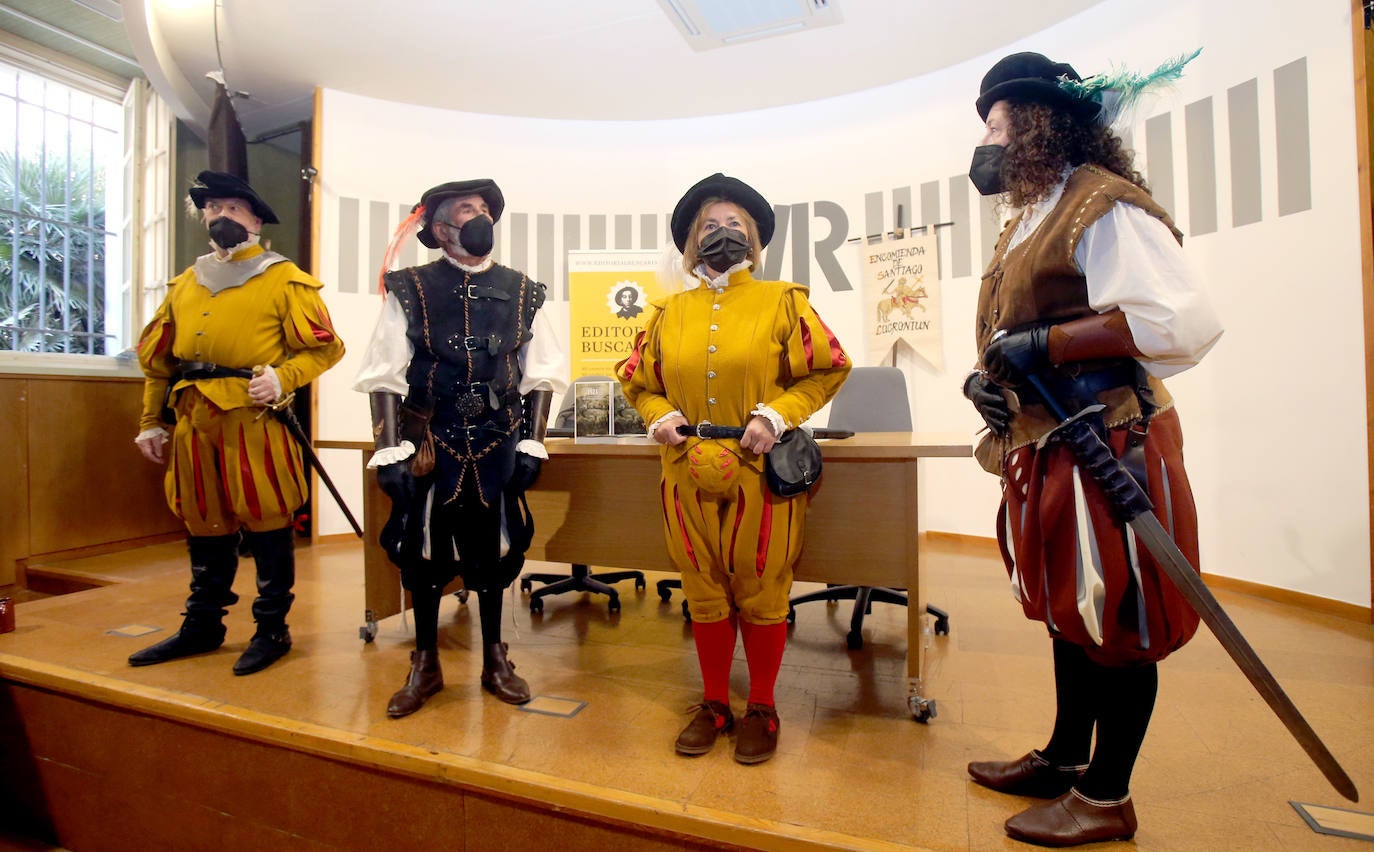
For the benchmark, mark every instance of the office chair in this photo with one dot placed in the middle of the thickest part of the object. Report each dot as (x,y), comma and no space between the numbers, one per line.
(581,579)
(872,399)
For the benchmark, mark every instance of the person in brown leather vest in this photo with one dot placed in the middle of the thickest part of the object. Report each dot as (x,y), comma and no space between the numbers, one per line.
(1087,291)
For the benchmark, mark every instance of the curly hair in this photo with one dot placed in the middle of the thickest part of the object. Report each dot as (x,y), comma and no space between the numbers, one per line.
(1045,141)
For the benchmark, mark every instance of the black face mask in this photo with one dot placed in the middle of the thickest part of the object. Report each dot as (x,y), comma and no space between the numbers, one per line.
(226,233)
(986,171)
(723,248)
(476,236)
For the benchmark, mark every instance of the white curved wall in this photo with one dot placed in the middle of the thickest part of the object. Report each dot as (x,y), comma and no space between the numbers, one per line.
(1277,459)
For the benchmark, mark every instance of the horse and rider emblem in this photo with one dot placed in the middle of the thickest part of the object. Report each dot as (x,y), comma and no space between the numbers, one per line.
(901,296)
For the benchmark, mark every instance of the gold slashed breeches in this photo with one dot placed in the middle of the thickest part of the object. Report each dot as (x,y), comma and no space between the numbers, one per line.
(228,469)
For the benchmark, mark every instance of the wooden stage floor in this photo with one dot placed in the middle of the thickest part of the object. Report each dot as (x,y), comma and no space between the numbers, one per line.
(854,771)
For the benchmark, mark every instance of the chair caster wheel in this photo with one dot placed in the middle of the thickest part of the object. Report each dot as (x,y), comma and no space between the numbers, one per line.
(922,709)
(526,585)
(942,627)
(791,615)
(686,613)
(640,584)
(536,605)
(614,605)
(854,640)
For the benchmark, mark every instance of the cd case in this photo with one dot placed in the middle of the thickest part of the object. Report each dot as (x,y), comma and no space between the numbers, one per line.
(602,413)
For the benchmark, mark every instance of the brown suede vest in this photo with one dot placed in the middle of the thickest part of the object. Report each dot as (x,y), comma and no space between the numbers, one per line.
(1039,282)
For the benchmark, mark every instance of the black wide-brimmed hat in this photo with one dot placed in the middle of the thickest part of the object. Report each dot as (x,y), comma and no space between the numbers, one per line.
(224,185)
(434,196)
(724,188)
(1033,77)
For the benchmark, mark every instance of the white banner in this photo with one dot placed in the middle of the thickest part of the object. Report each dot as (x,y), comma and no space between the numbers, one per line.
(901,296)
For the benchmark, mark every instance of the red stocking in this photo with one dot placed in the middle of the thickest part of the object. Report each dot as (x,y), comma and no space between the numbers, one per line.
(763,647)
(715,651)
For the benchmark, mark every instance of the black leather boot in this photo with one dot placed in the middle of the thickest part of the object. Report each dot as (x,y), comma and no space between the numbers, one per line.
(196,636)
(424,680)
(214,561)
(274,552)
(269,644)
(499,677)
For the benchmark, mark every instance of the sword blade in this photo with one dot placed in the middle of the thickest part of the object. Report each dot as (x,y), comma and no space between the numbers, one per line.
(293,425)
(1150,533)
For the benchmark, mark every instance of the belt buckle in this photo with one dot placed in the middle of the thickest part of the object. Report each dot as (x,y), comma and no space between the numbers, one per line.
(471,292)
(471,344)
(704,423)
(470,404)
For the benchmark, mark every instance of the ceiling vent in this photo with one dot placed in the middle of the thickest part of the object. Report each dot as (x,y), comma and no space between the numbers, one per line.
(708,24)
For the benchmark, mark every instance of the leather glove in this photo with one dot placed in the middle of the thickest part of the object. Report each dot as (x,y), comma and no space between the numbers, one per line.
(986,396)
(396,481)
(526,471)
(1011,357)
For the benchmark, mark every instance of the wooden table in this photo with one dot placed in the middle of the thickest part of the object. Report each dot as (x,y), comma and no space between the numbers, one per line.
(597,504)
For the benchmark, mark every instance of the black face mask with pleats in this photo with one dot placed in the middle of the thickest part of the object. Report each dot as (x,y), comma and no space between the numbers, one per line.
(986,170)
(476,236)
(226,233)
(723,248)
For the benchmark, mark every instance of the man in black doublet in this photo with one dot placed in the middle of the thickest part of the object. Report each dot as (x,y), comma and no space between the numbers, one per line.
(457,453)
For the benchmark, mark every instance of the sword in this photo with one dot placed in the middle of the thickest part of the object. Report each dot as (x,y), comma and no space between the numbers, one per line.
(283,411)
(1132,505)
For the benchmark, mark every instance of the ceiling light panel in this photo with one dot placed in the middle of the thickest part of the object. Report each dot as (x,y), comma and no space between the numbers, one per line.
(708,24)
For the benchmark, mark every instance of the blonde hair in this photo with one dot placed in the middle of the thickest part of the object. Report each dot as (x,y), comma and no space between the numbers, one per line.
(691,258)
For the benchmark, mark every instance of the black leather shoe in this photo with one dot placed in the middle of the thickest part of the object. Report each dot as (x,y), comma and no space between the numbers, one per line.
(499,677)
(711,720)
(1029,775)
(758,734)
(1073,819)
(194,637)
(264,649)
(425,679)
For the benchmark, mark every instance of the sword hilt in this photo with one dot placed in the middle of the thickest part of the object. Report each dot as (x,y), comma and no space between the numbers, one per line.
(280,404)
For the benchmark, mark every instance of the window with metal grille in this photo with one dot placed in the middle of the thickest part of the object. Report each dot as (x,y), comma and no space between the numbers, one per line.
(61,169)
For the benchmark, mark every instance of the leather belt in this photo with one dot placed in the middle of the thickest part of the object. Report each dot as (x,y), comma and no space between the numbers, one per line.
(196,370)
(1084,387)
(707,430)
(473,399)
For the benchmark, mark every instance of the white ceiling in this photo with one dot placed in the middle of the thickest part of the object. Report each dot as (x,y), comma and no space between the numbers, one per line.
(572,59)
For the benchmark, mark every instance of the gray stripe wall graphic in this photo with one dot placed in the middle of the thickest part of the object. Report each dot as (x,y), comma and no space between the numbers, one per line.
(813,235)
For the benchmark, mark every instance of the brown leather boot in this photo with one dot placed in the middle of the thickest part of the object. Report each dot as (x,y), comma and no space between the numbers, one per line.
(758,734)
(711,720)
(499,677)
(1028,775)
(1072,819)
(425,679)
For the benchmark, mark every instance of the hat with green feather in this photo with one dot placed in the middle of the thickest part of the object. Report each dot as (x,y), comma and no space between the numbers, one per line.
(1105,98)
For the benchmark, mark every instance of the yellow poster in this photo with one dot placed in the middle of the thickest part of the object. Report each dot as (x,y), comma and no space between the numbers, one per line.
(901,286)
(609,294)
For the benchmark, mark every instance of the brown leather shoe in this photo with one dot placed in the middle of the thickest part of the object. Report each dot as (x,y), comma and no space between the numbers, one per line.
(758,734)
(1030,775)
(1072,819)
(425,679)
(711,720)
(499,677)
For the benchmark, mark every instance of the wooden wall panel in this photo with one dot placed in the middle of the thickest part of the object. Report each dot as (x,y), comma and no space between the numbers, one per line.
(91,484)
(71,478)
(14,476)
